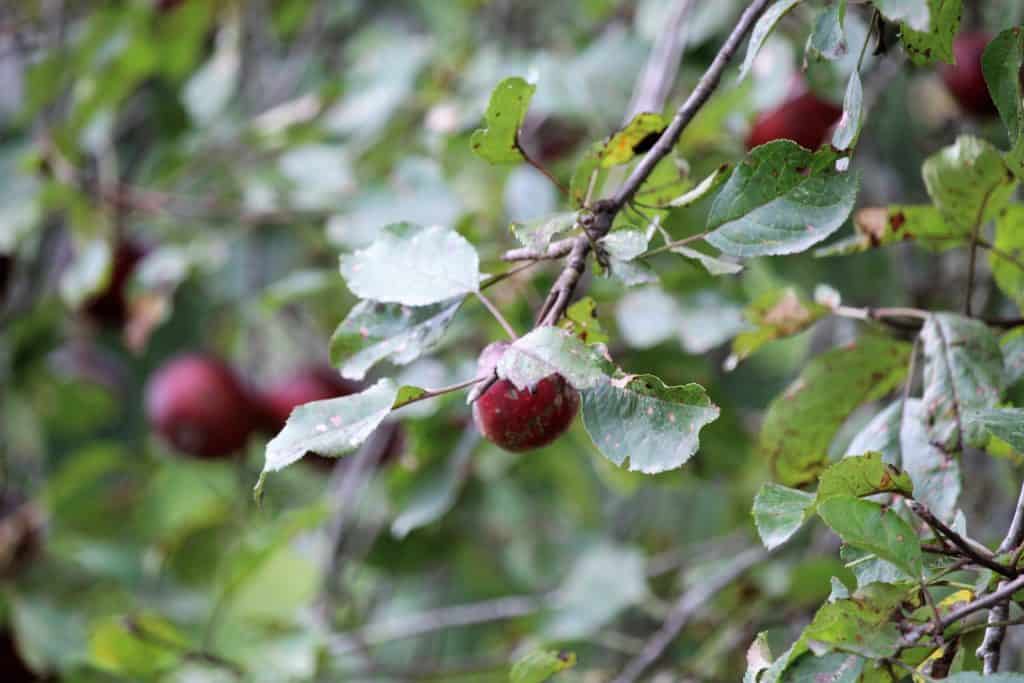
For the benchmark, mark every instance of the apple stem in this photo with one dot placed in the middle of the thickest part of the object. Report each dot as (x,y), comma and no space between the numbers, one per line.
(489,305)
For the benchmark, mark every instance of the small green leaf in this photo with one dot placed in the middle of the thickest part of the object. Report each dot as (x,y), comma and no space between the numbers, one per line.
(1003,423)
(927,31)
(714,266)
(848,128)
(703,188)
(538,234)
(969,182)
(775,315)
(411,265)
(882,226)
(135,646)
(88,274)
(625,245)
(374,331)
(828,39)
(621,148)
(870,527)
(762,29)
(1007,257)
(589,177)
(853,626)
(779,512)
(538,667)
(406,395)
(581,320)
(861,476)
(498,141)
(549,350)
(640,419)
(782,199)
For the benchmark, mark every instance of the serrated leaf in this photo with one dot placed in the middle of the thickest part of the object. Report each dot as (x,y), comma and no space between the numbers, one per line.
(781,200)
(828,38)
(762,29)
(374,331)
(775,315)
(538,234)
(862,475)
(1007,258)
(832,667)
(779,512)
(914,13)
(538,667)
(625,245)
(969,182)
(848,129)
(800,424)
(932,39)
(549,350)
(616,573)
(934,471)
(963,370)
(581,321)
(412,265)
(882,226)
(714,266)
(640,419)
(498,142)
(1003,423)
(870,527)
(622,146)
(853,626)
(331,428)
(703,188)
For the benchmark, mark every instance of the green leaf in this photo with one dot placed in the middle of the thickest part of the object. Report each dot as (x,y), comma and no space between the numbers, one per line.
(50,637)
(974,677)
(625,245)
(435,492)
(332,427)
(861,476)
(714,266)
(703,188)
(1012,345)
(881,434)
(800,424)
(915,13)
(1003,423)
(969,182)
(498,141)
(776,314)
(934,471)
(141,645)
(762,29)
(853,626)
(928,43)
(848,128)
(870,527)
(882,226)
(613,572)
(210,88)
(621,148)
(538,234)
(1007,258)
(374,331)
(828,39)
(779,512)
(833,667)
(640,419)
(632,273)
(781,200)
(539,666)
(412,265)
(589,176)
(581,321)
(963,370)
(1001,63)
(88,274)
(549,350)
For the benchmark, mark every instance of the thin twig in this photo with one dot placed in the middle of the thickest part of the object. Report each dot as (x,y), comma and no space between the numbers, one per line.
(496,312)
(977,553)
(1000,595)
(669,246)
(659,73)
(990,650)
(975,234)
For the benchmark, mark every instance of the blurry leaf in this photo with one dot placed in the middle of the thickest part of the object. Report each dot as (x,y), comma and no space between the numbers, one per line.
(625,245)
(963,370)
(828,39)
(581,320)
(539,666)
(640,419)
(50,637)
(296,285)
(779,512)
(882,226)
(833,667)
(969,182)
(19,210)
(435,493)
(498,142)
(775,315)
(1003,423)
(759,658)
(974,677)
(862,475)
(372,332)
(853,626)
(277,589)
(589,176)
(1007,256)
(714,266)
(928,32)
(209,90)
(914,13)
(622,146)
(934,471)
(528,195)
(800,424)
(707,319)
(669,179)
(632,273)
(703,188)
(762,29)
(141,645)
(538,234)
(332,427)
(781,200)
(868,526)
(881,434)
(615,573)
(549,350)
(1002,62)
(412,265)
(1012,345)
(848,128)
(88,274)
(646,317)
(320,175)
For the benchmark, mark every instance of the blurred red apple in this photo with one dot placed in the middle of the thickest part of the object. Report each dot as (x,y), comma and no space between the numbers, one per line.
(964,79)
(804,118)
(309,384)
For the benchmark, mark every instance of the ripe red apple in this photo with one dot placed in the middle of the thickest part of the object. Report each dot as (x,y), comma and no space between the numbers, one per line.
(200,406)
(804,118)
(964,79)
(521,420)
(110,306)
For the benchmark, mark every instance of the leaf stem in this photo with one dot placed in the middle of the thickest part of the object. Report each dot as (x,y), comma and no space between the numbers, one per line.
(669,246)
(433,393)
(496,312)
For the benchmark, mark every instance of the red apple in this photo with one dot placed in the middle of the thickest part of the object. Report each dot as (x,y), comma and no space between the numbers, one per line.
(200,406)
(804,118)
(964,79)
(309,384)
(110,306)
(522,420)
